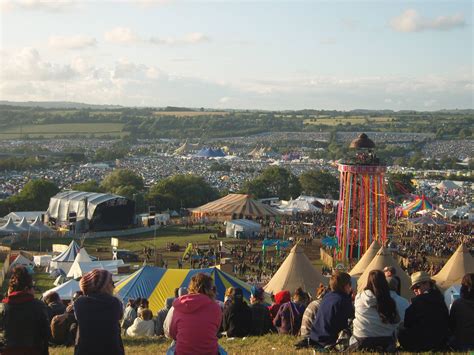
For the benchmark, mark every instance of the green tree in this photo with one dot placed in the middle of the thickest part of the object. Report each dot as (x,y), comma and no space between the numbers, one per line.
(274,181)
(124,181)
(88,186)
(181,191)
(34,196)
(319,183)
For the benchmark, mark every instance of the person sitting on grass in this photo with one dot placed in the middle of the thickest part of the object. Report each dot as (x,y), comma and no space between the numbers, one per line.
(55,305)
(290,314)
(310,312)
(425,327)
(237,318)
(334,312)
(461,317)
(24,322)
(143,325)
(194,320)
(376,316)
(161,316)
(261,320)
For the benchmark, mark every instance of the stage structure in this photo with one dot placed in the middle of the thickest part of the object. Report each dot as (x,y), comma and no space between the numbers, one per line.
(362,207)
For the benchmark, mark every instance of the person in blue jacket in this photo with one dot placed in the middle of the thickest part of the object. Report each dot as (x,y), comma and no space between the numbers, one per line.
(334,312)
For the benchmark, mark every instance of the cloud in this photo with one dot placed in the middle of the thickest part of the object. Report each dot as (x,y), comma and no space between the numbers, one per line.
(328,40)
(27,64)
(71,42)
(122,35)
(125,35)
(38,5)
(26,75)
(191,38)
(411,21)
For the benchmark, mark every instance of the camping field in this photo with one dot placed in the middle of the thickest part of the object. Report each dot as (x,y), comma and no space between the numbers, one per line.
(342,120)
(63,129)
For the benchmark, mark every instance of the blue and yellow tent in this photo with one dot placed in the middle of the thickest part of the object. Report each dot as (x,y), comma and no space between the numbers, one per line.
(157,284)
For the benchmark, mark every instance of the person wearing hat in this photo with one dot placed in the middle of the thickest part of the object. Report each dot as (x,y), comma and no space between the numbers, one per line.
(237,318)
(425,327)
(261,319)
(98,315)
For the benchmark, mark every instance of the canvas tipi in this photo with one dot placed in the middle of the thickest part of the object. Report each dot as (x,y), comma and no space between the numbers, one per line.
(384,258)
(458,265)
(368,256)
(296,271)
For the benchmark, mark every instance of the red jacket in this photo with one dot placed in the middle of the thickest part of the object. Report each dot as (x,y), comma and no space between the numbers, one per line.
(195,324)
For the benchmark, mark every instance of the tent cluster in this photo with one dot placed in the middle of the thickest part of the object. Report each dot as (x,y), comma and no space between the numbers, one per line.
(376,258)
(242,228)
(299,205)
(37,227)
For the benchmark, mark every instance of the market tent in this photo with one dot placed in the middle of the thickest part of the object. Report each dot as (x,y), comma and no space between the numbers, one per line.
(368,256)
(299,206)
(10,227)
(235,204)
(447,185)
(40,226)
(458,265)
(296,271)
(156,284)
(384,258)
(42,260)
(29,215)
(210,153)
(243,228)
(419,204)
(25,226)
(22,260)
(66,258)
(65,290)
(80,268)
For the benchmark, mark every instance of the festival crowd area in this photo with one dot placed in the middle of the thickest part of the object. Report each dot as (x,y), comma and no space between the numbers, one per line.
(375,319)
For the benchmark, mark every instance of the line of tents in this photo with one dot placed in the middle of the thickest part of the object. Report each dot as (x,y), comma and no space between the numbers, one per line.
(23,227)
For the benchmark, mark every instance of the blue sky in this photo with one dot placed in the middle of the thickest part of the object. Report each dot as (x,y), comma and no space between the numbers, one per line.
(247,54)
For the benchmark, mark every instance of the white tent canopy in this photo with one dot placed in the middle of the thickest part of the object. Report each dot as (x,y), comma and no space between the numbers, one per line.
(21,260)
(300,205)
(81,268)
(25,225)
(447,185)
(39,226)
(10,227)
(242,227)
(29,215)
(42,260)
(65,290)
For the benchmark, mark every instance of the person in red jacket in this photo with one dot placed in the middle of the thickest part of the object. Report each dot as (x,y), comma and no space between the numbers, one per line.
(195,319)
(280,298)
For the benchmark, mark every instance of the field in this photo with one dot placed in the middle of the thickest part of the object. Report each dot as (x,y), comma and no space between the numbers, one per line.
(189,113)
(353,120)
(63,129)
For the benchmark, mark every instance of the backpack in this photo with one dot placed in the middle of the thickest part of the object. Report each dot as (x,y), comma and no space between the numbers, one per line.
(60,326)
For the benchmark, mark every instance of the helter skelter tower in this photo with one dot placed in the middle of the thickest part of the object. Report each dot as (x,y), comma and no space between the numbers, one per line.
(362,208)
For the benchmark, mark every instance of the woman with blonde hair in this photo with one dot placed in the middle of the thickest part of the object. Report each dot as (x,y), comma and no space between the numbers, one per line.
(194,319)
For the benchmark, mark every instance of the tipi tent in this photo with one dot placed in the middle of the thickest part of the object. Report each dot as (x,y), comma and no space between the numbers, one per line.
(296,271)
(65,290)
(458,265)
(384,258)
(156,284)
(66,258)
(369,255)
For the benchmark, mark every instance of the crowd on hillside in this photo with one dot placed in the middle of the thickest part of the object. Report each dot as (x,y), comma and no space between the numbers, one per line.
(375,319)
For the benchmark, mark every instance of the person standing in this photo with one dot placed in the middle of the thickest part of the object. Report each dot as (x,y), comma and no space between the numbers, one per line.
(24,320)
(425,327)
(98,315)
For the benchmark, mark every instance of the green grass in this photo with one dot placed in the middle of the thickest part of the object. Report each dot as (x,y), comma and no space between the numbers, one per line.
(43,282)
(276,344)
(51,130)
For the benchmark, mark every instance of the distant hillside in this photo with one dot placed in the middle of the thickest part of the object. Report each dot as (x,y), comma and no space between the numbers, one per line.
(57,104)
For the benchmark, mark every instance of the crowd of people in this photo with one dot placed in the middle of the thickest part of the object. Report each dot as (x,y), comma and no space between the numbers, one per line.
(377,318)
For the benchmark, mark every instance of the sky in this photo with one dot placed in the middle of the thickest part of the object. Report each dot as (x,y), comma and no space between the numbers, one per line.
(272,55)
